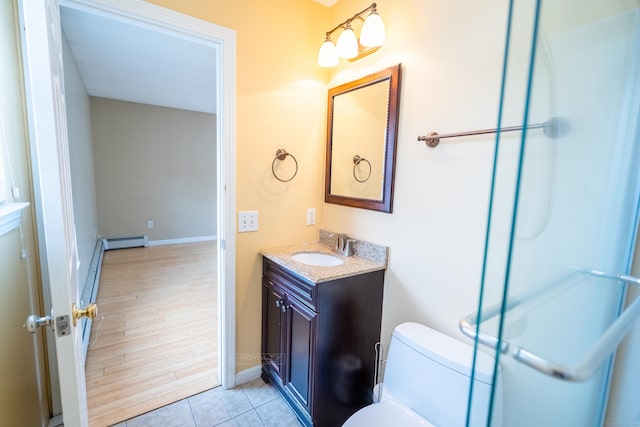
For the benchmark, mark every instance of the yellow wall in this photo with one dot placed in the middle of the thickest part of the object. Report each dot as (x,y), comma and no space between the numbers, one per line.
(19,393)
(450,83)
(280,104)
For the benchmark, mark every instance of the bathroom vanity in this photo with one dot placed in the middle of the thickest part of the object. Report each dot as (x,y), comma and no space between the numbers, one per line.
(319,330)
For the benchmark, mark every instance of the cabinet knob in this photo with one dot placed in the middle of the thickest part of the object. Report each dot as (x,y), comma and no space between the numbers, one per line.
(281,305)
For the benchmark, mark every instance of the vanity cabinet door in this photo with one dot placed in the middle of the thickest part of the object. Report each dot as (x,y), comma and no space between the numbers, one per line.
(307,329)
(273,318)
(301,326)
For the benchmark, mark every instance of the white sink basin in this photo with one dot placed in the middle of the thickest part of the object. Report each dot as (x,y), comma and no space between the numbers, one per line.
(317,259)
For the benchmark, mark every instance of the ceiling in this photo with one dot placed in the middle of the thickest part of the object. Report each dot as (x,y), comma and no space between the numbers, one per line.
(126,62)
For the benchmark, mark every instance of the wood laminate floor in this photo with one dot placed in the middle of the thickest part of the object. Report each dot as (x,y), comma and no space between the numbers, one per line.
(157,341)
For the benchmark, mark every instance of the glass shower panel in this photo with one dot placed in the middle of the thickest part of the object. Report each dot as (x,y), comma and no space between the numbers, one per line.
(564,207)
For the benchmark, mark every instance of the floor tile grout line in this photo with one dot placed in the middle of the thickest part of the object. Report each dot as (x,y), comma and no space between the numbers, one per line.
(260,417)
(247,396)
(251,401)
(236,416)
(195,423)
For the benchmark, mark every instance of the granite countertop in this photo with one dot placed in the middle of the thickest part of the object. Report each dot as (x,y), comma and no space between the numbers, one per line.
(351,265)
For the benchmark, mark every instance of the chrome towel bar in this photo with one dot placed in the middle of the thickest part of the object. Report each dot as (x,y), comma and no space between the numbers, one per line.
(603,348)
(550,128)
(468,325)
(607,343)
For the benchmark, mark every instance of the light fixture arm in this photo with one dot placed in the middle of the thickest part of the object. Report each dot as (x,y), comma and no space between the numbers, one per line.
(348,21)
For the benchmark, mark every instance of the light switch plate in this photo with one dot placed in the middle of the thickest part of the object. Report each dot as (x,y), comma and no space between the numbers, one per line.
(247,221)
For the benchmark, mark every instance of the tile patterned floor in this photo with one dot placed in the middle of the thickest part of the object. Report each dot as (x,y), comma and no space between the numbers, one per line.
(254,404)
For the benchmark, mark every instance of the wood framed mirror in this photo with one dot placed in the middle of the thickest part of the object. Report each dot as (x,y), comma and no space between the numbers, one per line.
(362,127)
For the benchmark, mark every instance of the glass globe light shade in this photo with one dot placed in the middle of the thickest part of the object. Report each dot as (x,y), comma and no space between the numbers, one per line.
(373,33)
(347,45)
(328,54)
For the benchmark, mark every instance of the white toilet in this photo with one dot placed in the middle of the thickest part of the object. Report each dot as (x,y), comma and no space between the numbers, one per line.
(426,383)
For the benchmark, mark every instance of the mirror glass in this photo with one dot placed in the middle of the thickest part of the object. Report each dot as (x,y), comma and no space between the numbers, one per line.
(362,122)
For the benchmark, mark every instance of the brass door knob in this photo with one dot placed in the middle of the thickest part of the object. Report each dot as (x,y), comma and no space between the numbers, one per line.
(90,311)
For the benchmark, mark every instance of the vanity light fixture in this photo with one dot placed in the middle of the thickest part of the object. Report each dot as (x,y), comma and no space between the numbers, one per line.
(348,46)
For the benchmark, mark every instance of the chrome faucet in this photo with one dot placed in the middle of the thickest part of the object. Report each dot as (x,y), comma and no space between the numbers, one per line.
(344,245)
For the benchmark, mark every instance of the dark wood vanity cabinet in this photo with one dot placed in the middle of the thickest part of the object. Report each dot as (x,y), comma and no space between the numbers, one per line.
(287,348)
(318,341)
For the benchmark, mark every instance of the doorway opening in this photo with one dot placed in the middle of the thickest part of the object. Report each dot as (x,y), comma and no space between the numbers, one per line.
(222,42)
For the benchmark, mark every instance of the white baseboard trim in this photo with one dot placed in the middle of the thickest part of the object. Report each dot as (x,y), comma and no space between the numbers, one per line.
(248,375)
(184,240)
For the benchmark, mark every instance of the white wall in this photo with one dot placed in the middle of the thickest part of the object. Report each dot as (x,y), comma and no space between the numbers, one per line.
(81,160)
(451,55)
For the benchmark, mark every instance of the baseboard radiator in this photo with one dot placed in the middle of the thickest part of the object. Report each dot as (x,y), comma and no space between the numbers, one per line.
(89,294)
(126,242)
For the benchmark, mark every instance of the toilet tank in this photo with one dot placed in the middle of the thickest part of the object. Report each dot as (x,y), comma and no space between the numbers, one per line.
(430,372)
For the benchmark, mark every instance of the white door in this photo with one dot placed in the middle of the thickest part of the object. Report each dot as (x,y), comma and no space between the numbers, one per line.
(42,53)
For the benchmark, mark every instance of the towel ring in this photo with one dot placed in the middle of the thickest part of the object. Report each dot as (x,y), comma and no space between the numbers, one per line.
(356,161)
(282,154)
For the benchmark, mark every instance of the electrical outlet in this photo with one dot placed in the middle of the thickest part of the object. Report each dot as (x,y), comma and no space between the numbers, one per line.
(311,216)
(247,221)
(149,223)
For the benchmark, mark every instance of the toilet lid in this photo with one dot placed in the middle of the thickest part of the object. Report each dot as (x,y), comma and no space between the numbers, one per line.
(385,414)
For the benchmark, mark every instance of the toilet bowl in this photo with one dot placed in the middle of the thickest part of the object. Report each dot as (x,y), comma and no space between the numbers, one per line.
(426,383)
